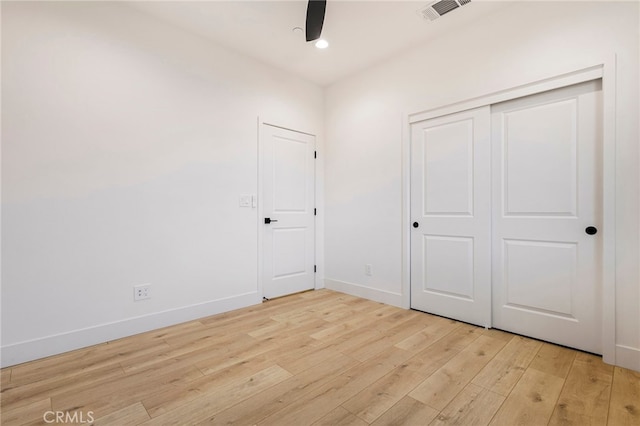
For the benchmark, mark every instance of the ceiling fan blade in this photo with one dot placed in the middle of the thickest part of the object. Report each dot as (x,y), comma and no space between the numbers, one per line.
(315,18)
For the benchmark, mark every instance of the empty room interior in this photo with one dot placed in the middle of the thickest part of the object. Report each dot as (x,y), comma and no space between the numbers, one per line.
(320,213)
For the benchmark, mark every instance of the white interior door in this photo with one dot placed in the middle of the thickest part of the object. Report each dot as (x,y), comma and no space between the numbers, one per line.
(546,186)
(288,198)
(451,216)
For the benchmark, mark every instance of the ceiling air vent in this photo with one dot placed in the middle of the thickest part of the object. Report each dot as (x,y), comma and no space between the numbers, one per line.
(436,9)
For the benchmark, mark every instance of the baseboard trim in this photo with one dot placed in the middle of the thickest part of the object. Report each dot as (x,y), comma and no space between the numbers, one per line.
(382,296)
(628,357)
(30,350)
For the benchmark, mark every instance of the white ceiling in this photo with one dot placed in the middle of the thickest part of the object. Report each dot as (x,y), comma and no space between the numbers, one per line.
(360,33)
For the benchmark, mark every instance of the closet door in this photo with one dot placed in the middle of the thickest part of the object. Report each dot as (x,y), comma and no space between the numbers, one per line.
(451,216)
(546,216)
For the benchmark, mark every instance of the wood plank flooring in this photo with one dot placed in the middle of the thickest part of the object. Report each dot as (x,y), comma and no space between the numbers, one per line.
(323,358)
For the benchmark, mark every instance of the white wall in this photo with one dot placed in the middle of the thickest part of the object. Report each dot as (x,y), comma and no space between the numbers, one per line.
(125,146)
(521,44)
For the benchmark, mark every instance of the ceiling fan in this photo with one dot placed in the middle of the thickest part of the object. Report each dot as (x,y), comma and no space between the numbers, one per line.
(315,18)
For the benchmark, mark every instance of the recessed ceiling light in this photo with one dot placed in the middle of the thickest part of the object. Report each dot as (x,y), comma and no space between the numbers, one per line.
(322,44)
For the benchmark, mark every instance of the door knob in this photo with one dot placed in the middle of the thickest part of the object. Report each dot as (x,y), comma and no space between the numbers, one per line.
(591,230)
(416,224)
(268,220)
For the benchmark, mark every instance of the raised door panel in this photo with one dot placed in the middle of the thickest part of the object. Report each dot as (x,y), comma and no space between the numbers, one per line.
(540,163)
(540,276)
(448,266)
(290,252)
(448,171)
(290,158)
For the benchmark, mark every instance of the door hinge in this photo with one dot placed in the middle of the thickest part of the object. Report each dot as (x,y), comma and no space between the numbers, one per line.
(314,269)
(315,154)
(315,212)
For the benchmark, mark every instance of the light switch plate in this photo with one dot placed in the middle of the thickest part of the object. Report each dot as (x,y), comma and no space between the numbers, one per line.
(245,201)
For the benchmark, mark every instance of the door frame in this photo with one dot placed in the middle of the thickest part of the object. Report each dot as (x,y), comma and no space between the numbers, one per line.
(260,213)
(604,69)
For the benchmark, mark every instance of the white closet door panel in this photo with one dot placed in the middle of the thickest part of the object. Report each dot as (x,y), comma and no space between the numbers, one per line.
(546,268)
(451,206)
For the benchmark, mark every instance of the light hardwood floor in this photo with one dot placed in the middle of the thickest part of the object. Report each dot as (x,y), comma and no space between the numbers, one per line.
(323,358)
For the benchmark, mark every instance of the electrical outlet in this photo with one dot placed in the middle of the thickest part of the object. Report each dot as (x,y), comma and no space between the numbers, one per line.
(367,269)
(141,292)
